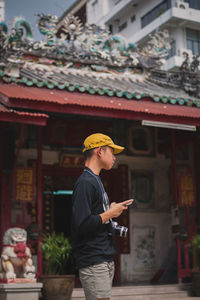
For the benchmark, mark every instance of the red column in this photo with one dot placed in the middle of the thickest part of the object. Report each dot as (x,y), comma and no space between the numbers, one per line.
(175,198)
(4,193)
(173,160)
(197,176)
(1,195)
(39,196)
(2,185)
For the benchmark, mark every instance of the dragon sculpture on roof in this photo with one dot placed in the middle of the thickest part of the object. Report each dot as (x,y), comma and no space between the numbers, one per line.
(70,44)
(90,44)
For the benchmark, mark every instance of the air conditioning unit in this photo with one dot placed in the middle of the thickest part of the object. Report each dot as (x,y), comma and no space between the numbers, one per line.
(181,52)
(181,4)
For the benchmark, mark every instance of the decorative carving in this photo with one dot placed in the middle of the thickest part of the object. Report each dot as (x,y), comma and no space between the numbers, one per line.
(186,78)
(69,45)
(16,259)
(155,50)
(90,44)
(140,140)
(144,247)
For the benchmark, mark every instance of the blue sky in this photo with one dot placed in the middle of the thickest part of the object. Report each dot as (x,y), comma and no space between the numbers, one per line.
(29,9)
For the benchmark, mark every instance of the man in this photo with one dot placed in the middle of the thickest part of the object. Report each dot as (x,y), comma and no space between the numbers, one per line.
(92,230)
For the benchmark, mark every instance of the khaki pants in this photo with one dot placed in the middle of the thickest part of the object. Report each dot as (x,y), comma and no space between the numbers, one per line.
(97,280)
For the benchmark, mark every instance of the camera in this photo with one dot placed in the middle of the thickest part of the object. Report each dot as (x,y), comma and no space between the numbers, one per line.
(119,230)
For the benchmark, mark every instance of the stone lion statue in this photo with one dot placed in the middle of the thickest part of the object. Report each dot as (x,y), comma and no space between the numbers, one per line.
(16,259)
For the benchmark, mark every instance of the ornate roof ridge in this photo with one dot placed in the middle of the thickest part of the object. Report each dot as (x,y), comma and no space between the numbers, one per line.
(89,59)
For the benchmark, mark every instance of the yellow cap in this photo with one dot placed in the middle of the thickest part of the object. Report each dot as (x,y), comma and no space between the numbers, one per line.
(98,140)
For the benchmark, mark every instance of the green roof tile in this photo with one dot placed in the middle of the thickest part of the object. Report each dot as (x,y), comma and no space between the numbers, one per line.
(91,91)
(155,97)
(119,94)
(81,89)
(180,101)
(40,84)
(128,95)
(71,88)
(50,85)
(61,86)
(100,92)
(172,100)
(164,99)
(109,92)
(29,83)
(24,79)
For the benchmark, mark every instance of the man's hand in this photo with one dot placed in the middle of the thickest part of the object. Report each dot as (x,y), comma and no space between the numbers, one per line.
(115,210)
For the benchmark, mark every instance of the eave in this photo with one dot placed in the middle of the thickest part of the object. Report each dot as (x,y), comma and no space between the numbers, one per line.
(14,116)
(64,102)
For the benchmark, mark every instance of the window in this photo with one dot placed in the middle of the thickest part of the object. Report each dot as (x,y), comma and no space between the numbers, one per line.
(142,188)
(140,141)
(132,19)
(122,26)
(110,27)
(193,4)
(172,51)
(193,40)
(155,12)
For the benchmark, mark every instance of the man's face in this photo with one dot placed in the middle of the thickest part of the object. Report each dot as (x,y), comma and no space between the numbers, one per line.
(107,158)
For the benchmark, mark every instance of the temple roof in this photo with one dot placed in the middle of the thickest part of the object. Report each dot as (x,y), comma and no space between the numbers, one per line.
(11,115)
(87,60)
(65,102)
(129,86)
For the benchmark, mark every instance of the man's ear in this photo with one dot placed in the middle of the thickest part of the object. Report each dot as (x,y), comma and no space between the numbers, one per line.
(98,151)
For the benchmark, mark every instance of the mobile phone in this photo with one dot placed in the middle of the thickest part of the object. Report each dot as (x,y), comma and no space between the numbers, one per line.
(129,203)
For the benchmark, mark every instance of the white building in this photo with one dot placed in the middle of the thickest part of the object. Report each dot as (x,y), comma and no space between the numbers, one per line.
(135,19)
(2,11)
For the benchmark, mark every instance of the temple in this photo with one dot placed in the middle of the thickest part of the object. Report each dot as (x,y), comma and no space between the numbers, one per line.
(79,80)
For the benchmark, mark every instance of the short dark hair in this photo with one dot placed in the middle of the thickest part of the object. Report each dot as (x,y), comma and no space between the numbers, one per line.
(88,154)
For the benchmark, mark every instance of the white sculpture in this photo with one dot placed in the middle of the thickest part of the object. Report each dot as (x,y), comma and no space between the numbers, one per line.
(16,258)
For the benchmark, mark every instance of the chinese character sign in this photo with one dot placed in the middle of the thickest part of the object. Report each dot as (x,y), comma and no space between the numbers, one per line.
(24,185)
(186,188)
(67,160)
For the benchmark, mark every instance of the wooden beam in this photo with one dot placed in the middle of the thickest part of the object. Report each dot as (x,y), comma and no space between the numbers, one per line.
(89,110)
(24,119)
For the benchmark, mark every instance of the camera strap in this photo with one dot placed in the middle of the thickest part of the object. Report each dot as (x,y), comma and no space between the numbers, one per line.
(106,203)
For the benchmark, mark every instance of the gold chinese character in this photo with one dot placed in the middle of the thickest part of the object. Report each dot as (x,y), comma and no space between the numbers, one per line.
(66,160)
(24,176)
(24,193)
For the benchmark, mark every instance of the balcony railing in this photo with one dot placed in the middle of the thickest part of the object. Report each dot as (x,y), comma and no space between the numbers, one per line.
(156,12)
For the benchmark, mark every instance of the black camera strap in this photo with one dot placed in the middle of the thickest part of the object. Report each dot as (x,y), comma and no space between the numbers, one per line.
(106,203)
(111,226)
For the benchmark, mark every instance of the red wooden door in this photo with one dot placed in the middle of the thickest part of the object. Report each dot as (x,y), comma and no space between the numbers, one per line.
(116,185)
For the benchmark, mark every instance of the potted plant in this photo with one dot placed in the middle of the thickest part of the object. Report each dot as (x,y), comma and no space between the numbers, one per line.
(58,278)
(196,264)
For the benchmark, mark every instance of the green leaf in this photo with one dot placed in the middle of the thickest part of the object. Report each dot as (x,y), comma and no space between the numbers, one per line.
(57,254)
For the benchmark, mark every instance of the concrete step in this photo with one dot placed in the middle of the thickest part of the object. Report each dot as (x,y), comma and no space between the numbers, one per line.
(145,292)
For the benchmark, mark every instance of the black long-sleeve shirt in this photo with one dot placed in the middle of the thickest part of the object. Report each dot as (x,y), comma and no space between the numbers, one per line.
(91,242)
